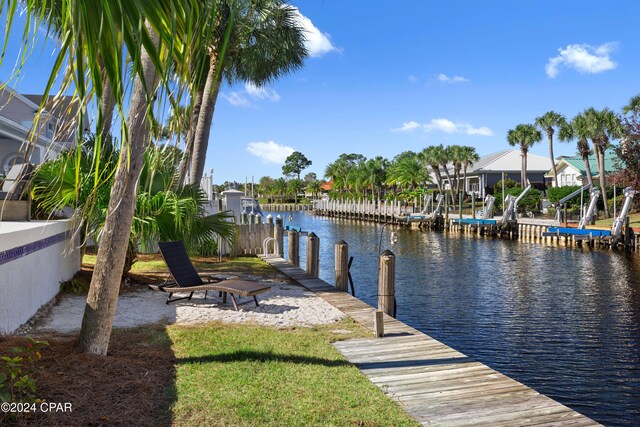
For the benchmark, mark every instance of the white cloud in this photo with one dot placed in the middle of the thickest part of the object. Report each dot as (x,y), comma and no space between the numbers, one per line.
(583,58)
(412,79)
(454,79)
(317,42)
(261,92)
(407,126)
(270,152)
(446,126)
(236,99)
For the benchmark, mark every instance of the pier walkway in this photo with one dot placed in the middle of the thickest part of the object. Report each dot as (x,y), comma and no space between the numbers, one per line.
(434,383)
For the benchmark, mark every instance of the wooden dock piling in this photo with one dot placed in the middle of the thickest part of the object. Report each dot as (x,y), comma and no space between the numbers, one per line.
(313,255)
(386,283)
(342,266)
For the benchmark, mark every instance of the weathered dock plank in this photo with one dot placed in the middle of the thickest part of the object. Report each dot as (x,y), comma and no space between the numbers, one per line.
(435,383)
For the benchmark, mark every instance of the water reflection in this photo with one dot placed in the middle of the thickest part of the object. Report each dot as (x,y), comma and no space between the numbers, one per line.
(565,321)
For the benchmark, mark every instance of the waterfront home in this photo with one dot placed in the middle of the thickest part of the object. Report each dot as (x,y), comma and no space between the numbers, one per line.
(17,114)
(572,171)
(488,171)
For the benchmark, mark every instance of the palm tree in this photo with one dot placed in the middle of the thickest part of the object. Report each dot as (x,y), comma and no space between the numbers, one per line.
(313,187)
(376,171)
(444,156)
(602,126)
(153,35)
(407,171)
(469,156)
(577,129)
(280,188)
(524,135)
(295,186)
(549,122)
(430,156)
(633,105)
(262,40)
(455,154)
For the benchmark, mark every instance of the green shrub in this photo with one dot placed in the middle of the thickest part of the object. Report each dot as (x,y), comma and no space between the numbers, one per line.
(75,286)
(555,194)
(530,202)
(16,382)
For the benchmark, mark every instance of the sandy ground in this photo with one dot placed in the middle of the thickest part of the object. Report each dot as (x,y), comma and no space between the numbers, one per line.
(285,305)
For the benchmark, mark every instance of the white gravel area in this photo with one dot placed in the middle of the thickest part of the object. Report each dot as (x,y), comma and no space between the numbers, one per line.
(283,306)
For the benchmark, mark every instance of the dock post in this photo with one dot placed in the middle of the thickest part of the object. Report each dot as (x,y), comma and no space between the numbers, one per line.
(378,323)
(313,254)
(278,234)
(342,266)
(269,219)
(386,283)
(293,238)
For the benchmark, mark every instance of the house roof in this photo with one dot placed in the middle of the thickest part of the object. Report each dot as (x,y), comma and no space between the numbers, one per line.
(327,186)
(610,163)
(510,161)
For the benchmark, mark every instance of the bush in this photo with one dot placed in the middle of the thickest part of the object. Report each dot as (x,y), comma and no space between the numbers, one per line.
(16,382)
(555,194)
(531,202)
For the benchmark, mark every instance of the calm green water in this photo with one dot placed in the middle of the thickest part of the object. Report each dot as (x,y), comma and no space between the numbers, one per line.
(563,321)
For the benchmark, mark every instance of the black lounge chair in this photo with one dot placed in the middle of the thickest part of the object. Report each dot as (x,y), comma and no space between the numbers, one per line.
(186,278)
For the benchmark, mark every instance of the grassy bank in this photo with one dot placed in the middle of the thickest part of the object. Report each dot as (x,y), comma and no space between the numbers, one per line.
(254,375)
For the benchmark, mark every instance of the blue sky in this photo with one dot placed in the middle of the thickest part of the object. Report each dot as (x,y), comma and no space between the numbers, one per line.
(389,76)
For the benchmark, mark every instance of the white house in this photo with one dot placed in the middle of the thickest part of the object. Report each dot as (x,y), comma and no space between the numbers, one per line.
(17,114)
(572,170)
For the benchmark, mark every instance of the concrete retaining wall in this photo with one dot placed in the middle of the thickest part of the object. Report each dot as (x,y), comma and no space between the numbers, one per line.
(34,258)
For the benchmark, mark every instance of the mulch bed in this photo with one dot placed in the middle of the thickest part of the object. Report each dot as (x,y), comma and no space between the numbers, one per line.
(133,385)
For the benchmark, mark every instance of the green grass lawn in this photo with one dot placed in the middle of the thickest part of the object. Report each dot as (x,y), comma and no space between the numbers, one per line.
(634,221)
(240,265)
(256,375)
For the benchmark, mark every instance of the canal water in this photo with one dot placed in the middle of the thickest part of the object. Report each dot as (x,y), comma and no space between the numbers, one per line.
(564,321)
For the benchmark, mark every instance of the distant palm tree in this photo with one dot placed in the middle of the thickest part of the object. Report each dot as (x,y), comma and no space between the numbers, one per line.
(632,106)
(524,135)
(444,156)
(407,172)
(577,129)
(430,157)
(313,187)
(280,188)
(376,172)
(548,123)
(469,156)
(295,186)
(602,125)
(455,153)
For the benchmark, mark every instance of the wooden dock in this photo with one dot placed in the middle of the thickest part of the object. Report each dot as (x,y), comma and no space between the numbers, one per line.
(434,383)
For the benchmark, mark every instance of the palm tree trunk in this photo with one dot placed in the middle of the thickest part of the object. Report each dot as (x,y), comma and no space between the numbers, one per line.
(603,179)
(553,161)
(523,171)
(453,198)
(203,129)
(107,104)
(188,144)
(103,292)
(464,179)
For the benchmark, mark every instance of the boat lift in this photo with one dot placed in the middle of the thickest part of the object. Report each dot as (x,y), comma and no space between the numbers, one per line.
(512,207)
(583,233)
(485,217)
(594,194)
(564,200)
(431,218)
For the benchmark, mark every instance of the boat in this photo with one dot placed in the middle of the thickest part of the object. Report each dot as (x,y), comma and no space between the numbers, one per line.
(251,206)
